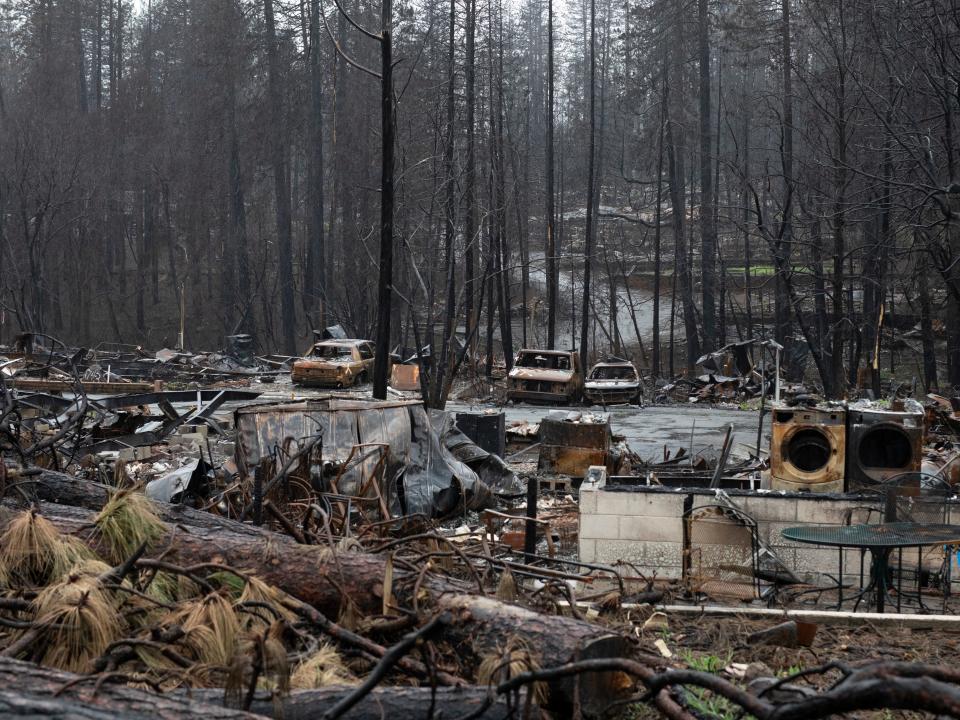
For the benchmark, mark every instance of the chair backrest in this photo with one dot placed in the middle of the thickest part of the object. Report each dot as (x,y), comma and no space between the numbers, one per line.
(721,553)
(915,497)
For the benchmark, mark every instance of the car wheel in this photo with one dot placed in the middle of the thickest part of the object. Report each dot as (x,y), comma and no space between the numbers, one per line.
(362,378)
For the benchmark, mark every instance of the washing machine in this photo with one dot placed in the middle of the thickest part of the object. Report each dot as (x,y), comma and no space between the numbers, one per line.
(807,449)
(881,444)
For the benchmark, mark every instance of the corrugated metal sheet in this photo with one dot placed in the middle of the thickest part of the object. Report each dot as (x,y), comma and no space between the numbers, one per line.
(421,475)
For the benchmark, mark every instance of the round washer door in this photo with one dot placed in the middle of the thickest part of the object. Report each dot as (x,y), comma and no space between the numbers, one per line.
(808,450)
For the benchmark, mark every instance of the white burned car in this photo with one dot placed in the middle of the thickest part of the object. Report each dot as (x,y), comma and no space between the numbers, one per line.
(613,381)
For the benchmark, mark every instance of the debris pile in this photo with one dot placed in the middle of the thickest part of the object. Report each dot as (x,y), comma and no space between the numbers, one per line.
(191,552)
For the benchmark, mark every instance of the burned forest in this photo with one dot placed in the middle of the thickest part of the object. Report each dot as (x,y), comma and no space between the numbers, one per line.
(472,359)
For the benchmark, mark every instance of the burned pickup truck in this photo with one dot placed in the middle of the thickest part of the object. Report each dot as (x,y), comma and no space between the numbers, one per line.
(552,376)
(335,363)
(613,381)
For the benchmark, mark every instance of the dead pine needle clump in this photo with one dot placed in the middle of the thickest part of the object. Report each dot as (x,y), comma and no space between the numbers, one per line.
(350,614)
(321,669)
(213,630)
(269,654)
(77,619)
(125,523)
(33,553)
(514,659)
(257,593)
(507,587)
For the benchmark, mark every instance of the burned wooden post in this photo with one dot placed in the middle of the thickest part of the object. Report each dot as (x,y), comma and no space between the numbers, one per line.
(530,539)
(258,494)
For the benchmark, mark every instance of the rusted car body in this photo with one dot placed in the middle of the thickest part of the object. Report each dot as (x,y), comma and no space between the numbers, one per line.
(335,363)
(613,381)
(552,376)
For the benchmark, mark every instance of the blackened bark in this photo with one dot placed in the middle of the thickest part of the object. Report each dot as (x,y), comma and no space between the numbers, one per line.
(926,333)
(387,128)
(785,243)
(450,224)
(658,230)
(315,284)
(281,184)
(470,222)
(503,248)
(591,190)
(708,229)
(552,267)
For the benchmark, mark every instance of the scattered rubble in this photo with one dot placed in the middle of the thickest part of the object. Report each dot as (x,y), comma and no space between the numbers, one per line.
(333,555)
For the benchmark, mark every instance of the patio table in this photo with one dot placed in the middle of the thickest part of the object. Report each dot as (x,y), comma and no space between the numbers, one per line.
(879,540)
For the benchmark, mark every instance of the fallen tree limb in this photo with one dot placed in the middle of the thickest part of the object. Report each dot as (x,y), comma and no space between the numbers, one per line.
(31,691)
(483,627)
(382,702)
(390,658)
(342,635)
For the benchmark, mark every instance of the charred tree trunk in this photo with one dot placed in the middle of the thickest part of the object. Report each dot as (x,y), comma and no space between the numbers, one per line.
(243,293)
(658,230)
(470,193)
(675,170)
(482,625)
(305,572)
(591,191)
(30,692)
(504,273)
(747,260)
(387,130)
(928,339)
(382,702)
(281,183)
(708,228)
(785,243)
(315,284)
(450,225)
(552,266)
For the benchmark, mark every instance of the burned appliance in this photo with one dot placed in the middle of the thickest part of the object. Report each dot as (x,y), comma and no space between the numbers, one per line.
(881,444)
(572,442)
(807,449)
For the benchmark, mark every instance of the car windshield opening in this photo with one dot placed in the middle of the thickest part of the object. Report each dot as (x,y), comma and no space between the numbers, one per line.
(331,352)
(613,373)
(546,361)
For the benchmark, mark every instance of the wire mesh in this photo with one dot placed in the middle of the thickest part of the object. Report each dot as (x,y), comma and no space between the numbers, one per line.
(721,554)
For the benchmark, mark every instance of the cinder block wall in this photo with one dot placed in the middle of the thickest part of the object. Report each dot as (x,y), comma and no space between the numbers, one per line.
(644,526)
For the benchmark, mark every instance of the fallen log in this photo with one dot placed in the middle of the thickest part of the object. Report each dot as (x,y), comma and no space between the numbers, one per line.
(484,627)
(382,702)
(31,691)
(309,573)
(321,579)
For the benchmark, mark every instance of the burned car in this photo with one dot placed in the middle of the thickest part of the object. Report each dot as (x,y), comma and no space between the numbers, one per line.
(335,363)
(545,376)
(612,381)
